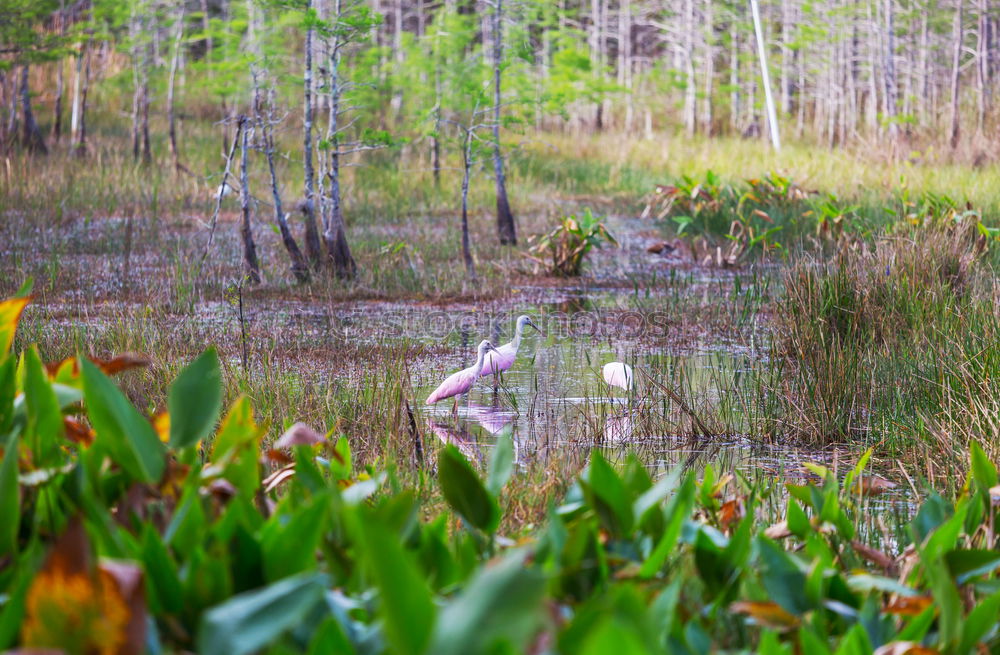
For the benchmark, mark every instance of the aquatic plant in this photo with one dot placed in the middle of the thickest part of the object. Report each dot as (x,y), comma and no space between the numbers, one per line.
(563,249)
(193,534)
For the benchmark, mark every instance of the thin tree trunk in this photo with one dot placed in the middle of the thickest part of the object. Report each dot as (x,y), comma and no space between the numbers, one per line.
(334,233)
(313,247)
(772,119)
(300,269)
(251,267)
(506,229)
(953,133)
(981,68)
(691,85)
(707,114)
(436,137)
(147,155)
(31,138)
(470,267)
(57,109)
(171,112)
(890,70)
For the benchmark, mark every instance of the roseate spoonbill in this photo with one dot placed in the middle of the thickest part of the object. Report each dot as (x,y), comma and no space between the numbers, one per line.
(617,374)
(501,360)
(458,383)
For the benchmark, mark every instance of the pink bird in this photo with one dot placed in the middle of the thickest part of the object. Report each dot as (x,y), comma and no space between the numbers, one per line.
(503,357)
(617,374)
(458,383)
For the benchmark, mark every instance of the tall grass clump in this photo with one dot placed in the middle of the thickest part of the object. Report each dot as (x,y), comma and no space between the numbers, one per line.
(889,338)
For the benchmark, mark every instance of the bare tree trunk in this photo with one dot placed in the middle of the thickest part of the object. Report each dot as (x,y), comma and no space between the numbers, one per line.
(982,69)
(922,69)
(506,229)
(251,267)
(691,85)
(300,269)
(734,75)
(57,109)
(890,71)
(707,114)
(765,76)
(31,136)
(313,248)
(147,155)
(953,133)
(171,112)
(334,232)
(436,137)
(470,267)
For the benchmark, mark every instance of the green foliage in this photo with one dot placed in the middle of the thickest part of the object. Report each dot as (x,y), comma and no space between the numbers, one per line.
(564,249)
(234,559)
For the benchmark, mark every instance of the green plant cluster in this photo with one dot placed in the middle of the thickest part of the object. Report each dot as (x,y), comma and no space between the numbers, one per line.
(176,530)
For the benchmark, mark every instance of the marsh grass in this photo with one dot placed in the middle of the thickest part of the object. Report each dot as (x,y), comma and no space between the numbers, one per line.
(889,338)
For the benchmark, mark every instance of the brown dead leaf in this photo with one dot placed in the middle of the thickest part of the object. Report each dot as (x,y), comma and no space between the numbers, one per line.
(53,368)
(732,511)
(127,578)
(277,457)
(299,434)
(77,432)
(778,531)
(762,215)
(909,605)
(661,247)
(222,489)
(904,648)
(872,485)
(278,478)
(876,557)
(766,613)
(122,362)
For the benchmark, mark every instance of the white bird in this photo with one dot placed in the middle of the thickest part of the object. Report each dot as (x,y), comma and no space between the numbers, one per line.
(617,374)
(503,357)
(458,383)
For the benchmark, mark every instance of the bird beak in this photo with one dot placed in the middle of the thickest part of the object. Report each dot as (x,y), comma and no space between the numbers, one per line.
(537,329)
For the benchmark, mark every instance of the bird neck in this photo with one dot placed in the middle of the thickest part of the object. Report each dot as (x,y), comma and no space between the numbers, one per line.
(517,336)
(480,360)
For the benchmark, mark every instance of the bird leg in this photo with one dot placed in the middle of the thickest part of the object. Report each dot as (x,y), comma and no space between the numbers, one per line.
(454,407)
(496,381)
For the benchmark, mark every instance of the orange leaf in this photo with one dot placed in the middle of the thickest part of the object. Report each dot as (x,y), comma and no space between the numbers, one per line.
(731,511)
(873,485)
(766,613)
(122,362)
(874,556)
(909,605)
(77,432)
(904,648)
(10,314)
(762,215)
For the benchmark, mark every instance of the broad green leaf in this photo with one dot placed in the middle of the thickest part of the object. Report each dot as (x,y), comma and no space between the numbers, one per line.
(405,602)
(465,492)
(237,447)
(500,606)
(126,434)
(607,495)
(677,513)
(248,622)
(966,564)
(10,314)
(162,580)
(501,464)
(982,621)
(932,513)
(195,400)
(983,470)
(289,543)
(45,422)
(10,498)
(8,391)
(782,577)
